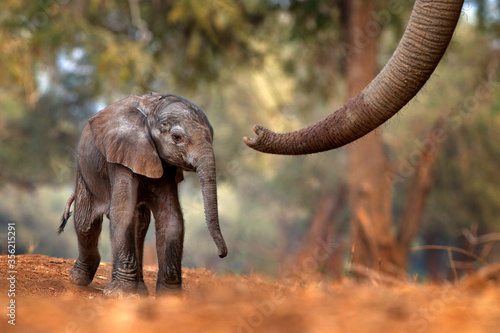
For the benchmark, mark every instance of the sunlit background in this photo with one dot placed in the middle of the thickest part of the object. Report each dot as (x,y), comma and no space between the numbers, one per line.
(281,64)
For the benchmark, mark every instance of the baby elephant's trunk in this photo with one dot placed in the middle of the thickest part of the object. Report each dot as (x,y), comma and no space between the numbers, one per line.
(206,173)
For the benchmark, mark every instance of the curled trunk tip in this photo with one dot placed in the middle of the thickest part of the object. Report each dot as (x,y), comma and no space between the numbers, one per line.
(223,250)
(260,142)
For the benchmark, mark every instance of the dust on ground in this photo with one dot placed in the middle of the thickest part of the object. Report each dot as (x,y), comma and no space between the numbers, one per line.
(46,302)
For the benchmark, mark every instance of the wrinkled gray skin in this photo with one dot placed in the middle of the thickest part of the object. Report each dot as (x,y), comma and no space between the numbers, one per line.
(130,158)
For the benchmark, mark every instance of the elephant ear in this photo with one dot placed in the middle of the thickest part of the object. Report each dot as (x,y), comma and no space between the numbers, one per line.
(121,133)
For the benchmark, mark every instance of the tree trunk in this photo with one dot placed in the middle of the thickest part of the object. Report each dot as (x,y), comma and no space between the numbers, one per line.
(321,243)
(369,193)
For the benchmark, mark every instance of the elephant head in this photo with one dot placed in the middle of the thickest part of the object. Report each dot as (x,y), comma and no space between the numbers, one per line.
(145,132)
(422,46)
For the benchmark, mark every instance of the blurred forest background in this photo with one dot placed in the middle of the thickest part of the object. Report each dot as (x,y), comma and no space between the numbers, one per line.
(283,64)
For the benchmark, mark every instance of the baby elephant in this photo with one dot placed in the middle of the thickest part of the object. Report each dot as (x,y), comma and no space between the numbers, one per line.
(130,158)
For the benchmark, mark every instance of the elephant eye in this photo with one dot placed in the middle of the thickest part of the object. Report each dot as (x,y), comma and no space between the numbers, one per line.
(178,138)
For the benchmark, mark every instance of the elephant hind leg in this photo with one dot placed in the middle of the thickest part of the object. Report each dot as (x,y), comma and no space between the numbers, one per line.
(88,224)
(143,219)
(169,225)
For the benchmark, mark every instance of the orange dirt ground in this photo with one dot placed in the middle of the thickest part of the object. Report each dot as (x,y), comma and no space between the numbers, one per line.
(46,302)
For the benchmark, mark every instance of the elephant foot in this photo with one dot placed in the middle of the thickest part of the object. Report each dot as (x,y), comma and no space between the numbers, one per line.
(168,289)
(121,289)
(82,274)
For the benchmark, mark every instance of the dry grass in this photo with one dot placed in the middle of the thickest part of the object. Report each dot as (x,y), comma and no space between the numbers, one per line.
(46,302)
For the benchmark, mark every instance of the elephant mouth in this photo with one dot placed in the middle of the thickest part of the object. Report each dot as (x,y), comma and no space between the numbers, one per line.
(188,168)
(181,163)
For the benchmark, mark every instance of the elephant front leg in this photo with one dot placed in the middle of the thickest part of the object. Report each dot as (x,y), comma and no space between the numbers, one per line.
(169,245)
(122,231)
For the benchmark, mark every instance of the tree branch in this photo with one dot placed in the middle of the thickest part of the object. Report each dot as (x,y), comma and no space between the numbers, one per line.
(421,185)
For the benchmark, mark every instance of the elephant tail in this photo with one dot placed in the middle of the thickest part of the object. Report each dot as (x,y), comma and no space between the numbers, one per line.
(66,214)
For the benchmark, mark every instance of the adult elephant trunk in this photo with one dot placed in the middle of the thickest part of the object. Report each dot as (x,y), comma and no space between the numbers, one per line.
(206,172)
(422,46)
